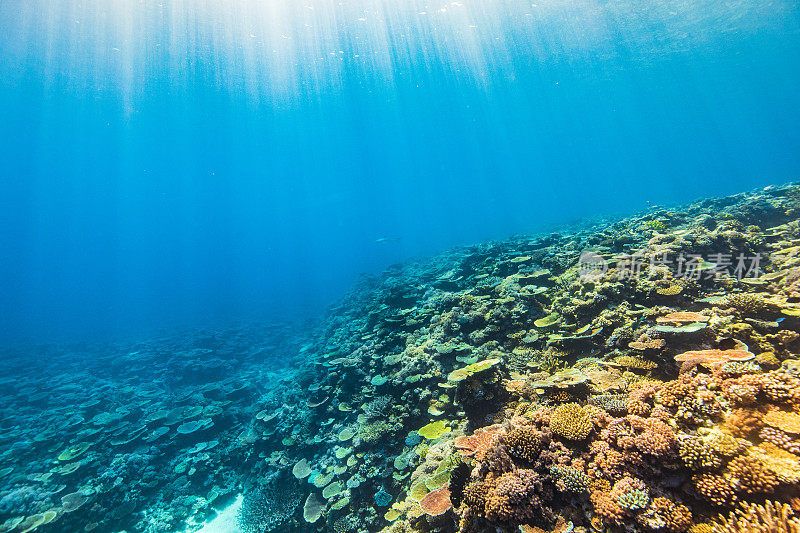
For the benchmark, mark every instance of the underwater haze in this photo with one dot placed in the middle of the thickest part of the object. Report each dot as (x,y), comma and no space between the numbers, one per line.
(185,163)
(399,266)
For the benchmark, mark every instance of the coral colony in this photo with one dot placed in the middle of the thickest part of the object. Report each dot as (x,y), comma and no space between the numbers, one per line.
(639,375)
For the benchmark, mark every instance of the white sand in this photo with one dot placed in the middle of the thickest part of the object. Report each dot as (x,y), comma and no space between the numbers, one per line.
(225,521)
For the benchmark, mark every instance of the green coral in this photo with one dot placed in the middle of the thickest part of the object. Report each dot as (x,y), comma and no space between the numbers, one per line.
(570,479)
(374,431)
(657,224)
(634,500)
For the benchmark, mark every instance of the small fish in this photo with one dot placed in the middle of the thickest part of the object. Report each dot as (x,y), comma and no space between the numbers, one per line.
(382,240)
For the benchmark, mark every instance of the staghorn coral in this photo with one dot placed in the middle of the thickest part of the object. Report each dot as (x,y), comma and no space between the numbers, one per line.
(771,517)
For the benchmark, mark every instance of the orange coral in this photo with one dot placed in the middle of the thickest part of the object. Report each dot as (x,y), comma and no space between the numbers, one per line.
(715,356)
(437,502)
(513,498)
(785,421)
(479,442)
(683,317)
(646,343)
(750,474)
(715,488)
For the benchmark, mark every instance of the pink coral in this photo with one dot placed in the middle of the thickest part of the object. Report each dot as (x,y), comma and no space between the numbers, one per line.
(514,499)
(650,436)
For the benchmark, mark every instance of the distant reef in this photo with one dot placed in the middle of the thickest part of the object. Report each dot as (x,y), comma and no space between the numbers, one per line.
(637,375)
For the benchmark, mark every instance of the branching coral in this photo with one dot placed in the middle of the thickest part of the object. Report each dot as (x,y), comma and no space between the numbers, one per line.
(515,498)
(714,488)
(749,474)
(697,454)
(571,421)
(665,515)
(752,518)
(570,479)
(627,496)
(525,442)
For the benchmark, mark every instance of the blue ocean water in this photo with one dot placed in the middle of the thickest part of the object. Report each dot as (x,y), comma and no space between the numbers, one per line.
(199,162)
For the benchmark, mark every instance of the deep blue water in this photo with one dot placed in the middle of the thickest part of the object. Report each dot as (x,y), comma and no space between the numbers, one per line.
(200,162)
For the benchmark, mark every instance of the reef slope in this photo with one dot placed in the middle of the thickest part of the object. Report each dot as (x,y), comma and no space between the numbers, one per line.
(631,375)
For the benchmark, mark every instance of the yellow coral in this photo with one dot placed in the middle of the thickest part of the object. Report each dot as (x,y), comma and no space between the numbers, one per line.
(571,421)
(434,430)
(752,518)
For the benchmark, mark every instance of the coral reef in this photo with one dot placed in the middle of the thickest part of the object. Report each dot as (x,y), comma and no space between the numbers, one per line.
(507,386)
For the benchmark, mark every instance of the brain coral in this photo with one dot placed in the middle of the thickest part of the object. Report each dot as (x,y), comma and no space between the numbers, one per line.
(571,421)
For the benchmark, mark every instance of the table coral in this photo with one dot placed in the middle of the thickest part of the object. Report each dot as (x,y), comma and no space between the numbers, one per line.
(437,502)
